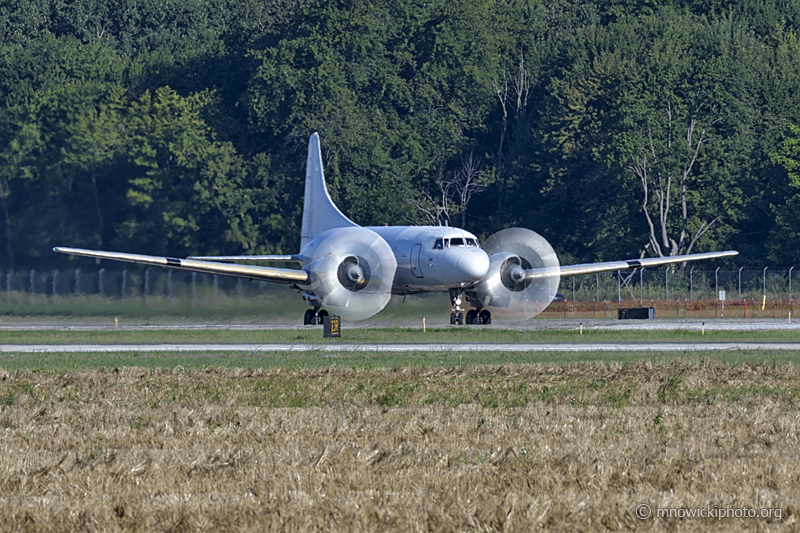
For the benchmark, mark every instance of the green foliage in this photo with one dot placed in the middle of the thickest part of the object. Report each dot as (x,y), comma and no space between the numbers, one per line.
(163,127)
(787,211)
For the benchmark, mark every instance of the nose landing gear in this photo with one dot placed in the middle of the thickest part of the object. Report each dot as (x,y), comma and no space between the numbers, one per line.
(456,312)
(477,316)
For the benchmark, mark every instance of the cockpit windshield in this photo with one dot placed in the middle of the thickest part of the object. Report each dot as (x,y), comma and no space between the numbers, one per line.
(442,243)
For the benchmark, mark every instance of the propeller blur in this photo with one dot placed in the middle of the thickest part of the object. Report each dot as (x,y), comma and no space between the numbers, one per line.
(352,271)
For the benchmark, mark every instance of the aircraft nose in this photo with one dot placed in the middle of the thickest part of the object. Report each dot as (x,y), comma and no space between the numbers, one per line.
(474,265)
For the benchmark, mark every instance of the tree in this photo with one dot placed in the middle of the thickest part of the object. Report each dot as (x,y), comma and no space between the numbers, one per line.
(665,165)
(23,140)
(184,173)
(93,140)
(786,238)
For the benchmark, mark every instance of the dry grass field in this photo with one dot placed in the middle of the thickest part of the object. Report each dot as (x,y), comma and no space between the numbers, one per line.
(488,448)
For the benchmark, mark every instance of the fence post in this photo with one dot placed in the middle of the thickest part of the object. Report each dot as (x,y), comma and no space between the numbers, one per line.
(216,288)
(194,290)
(691,285)
(77,282)
(147,286)
(716,284)
(641,288)
(619,286)
(573,287)
(170,291)
(666,285)
(596,280)
(100,282)
(740,285)
(32,285)
(764,282)
(124,283)
(790,283)
(55,277)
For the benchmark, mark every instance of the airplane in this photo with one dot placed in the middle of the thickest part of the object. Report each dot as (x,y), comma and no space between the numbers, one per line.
(353,271)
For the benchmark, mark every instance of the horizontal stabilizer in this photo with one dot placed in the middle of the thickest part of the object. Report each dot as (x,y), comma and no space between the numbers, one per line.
(261,273)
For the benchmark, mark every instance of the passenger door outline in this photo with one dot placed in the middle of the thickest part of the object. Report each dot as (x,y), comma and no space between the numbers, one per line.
(416,267)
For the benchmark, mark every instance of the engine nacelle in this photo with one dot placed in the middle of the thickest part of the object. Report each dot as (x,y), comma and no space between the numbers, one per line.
(511,252)
(350,273)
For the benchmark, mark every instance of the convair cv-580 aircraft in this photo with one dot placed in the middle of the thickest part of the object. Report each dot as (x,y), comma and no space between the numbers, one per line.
(352,271)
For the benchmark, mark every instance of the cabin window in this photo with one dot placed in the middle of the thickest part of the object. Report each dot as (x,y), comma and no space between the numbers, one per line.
(456,241)
(438,244)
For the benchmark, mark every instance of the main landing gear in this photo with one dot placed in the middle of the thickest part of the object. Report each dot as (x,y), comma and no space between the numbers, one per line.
(314,317)
(474,316)
(479,316)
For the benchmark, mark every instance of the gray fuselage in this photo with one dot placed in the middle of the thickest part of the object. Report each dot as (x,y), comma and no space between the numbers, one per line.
(433,258)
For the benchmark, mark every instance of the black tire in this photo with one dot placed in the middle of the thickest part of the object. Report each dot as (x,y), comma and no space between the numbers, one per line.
(321,316)
(452,318)
(460,319)
(310,318)
(472,316)
(485,317)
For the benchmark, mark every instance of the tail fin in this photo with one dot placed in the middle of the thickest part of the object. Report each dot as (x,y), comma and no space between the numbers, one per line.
(319,212)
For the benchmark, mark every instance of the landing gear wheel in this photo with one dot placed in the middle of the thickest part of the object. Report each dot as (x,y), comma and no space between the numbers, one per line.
(321,316)
(485,317)
(310,318)
(472,316)
(460,319)
(452,318)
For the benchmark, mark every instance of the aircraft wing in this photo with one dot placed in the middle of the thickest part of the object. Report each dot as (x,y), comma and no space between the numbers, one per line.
(235,258)
(261,273)
(610,266)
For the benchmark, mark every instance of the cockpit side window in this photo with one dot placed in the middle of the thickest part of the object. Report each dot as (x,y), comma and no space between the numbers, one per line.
(447,243)
(471,242)
(438,245)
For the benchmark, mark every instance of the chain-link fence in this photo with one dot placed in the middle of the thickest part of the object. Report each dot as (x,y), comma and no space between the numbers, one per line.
(141,291)
(689,293)
(690,285)
(677,293)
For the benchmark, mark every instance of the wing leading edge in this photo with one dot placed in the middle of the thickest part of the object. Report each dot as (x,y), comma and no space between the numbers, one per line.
(235,258)
(261,273)
(611,266)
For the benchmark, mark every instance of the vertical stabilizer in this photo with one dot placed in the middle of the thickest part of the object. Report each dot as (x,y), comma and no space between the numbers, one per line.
(319,212)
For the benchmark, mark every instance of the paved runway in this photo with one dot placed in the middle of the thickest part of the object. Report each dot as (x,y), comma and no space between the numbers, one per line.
(723,324)
(333,347)
(406,347)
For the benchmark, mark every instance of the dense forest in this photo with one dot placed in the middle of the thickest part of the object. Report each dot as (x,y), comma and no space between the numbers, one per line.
(614,128)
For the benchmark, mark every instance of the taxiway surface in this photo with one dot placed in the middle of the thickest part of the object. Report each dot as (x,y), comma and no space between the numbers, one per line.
(399,347)
(333,347)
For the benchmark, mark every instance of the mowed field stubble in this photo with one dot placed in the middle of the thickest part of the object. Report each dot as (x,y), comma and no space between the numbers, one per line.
(572,446)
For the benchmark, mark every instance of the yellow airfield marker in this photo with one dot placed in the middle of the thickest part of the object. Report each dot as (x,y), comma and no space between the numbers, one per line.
(764,302)
(581,328)
(704,329)
(423,323)
(116,322)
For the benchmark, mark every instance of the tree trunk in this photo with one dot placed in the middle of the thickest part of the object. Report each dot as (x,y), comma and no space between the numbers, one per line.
(9,248)
(99,211)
